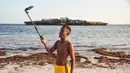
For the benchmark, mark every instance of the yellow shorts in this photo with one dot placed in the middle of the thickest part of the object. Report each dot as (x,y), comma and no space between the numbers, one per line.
(62,69)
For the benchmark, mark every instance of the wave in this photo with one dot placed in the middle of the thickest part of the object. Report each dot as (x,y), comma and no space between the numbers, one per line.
(120,45)
(90,46)
(20,49)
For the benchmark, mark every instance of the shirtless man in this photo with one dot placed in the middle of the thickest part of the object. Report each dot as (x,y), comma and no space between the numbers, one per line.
(64,49)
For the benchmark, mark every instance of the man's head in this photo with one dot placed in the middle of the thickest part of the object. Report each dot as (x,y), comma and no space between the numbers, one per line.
(64,31)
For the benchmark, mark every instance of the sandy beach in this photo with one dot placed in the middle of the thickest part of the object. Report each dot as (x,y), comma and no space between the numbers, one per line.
(102,61)
(49,69)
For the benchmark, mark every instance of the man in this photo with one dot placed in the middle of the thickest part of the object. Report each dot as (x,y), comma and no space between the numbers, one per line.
(64,49)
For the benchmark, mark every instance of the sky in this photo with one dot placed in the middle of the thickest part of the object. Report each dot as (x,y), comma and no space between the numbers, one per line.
(110,11)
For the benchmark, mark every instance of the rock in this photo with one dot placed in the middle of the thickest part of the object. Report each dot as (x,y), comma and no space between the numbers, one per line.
(105,51)
(2,53)
(107,60)
(81,61)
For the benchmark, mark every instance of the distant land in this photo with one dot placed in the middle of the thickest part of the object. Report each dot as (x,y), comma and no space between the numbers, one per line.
(64,20)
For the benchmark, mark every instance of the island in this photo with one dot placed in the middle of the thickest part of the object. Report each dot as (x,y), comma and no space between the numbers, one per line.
(63,20)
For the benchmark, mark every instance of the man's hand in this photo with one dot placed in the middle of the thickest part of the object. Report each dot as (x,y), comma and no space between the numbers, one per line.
(46,46)
(43,41)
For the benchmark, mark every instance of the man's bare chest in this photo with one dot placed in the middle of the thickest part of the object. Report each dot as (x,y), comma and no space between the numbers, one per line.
(62,47)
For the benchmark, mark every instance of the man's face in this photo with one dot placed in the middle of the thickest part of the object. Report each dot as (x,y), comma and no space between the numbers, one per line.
(63,33)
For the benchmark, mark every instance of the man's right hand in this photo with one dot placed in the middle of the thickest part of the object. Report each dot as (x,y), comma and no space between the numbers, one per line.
(43,41)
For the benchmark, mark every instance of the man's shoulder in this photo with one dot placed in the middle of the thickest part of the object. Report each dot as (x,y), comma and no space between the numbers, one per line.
(69,43)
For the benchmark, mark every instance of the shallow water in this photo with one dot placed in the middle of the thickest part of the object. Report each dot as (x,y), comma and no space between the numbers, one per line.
(20,37)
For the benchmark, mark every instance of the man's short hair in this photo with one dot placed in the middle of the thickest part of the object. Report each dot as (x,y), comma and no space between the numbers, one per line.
(68,27)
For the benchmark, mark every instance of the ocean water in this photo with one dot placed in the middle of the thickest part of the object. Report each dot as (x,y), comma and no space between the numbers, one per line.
(21,37)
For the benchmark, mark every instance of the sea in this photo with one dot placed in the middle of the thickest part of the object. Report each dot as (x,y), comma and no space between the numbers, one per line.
(17,38)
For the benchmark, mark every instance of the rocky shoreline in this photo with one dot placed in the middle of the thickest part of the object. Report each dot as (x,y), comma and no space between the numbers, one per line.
(107,59)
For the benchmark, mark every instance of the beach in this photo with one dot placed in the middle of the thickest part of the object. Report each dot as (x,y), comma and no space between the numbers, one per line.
(98,49)
(34,37)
